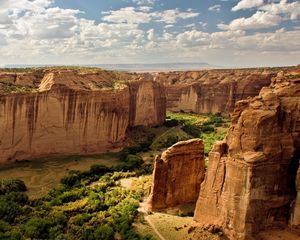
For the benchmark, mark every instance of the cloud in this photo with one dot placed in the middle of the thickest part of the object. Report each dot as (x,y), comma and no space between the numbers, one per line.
(38,32)
(256,21)
(289,10)
(193,38)
(279,41)
(268,15)
(169,26)
(127,15)
(246,4)
(150,35)
(133,15)
(171,16)
(144,2)
(215,8)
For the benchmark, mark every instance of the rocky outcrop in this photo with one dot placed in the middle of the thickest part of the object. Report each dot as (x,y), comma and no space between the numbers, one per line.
(177,175)
(69,112)
(212,91)
(250,183)
(295,216)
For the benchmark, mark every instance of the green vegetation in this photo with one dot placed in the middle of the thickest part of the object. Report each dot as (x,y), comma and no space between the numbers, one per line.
(86,205)
(12,88)
(209,127)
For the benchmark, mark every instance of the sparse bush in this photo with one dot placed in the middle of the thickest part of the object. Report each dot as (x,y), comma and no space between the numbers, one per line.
(208,129)
(191,130)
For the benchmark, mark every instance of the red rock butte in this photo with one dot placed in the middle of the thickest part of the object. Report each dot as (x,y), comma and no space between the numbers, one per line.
(177,176)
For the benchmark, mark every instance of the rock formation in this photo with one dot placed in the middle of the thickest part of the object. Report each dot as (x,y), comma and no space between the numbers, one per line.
(250,183)
(59,112)
(295,216)
(177,175)
(212,91)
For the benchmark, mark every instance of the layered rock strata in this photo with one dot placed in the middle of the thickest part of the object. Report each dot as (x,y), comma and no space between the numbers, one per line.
(67,112)
(250,183)
(212,91)
(177,175)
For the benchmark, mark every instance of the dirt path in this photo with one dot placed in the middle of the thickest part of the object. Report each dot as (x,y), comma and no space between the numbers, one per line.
(143,210)
(153,227)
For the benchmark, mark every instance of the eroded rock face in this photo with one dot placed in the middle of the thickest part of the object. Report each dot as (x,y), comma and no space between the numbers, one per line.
(295,216)
(74,113)
(177,175)
(148,103)
(250,182)
(212,91)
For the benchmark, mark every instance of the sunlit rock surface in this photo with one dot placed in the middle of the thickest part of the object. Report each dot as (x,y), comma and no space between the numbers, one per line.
(250,183)
(177,175)
(59,112)
(212,91)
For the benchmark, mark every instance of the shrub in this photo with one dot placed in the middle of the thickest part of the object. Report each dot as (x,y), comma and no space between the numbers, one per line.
(73,178)
(16,197)
(37,228)
(8,210)
(171,140)
(69,197)
(171,123)
(80,219)
(208,129)
(191,130)
(134,160)
(99,169)
(12,185)
(104,232)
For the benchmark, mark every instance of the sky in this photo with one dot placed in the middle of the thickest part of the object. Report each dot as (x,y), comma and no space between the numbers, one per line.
(231,33)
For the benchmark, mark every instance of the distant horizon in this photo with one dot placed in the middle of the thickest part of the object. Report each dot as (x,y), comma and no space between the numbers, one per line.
(145,66)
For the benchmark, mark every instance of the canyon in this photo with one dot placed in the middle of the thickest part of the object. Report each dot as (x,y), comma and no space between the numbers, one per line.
(252,181)
(67,112)
(212,91)
(59,111)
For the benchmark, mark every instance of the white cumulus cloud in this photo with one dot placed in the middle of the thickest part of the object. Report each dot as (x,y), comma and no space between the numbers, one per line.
(245,4)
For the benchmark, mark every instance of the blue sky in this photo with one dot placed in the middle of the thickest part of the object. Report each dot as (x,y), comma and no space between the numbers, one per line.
(233,33)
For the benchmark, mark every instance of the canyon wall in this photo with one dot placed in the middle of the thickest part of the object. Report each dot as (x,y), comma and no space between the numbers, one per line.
(177,175)
(250,182)
(67,112)
(212,91)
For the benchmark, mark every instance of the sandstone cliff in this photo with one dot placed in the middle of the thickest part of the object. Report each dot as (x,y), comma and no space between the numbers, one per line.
(212,91)
(68,112)
(177,175)
(250,183)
